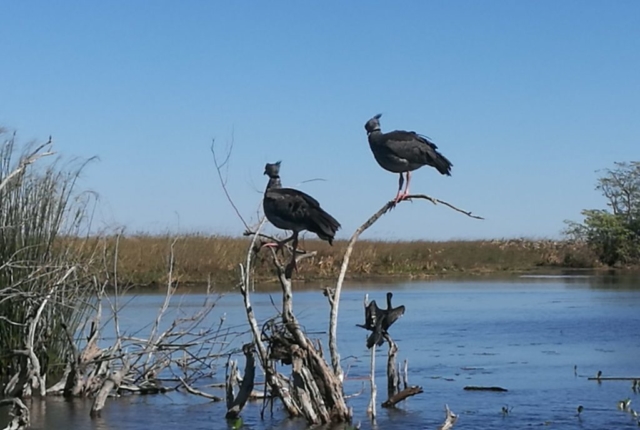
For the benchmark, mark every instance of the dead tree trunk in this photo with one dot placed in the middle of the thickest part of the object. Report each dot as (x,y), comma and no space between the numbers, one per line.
(19,414)
(314,391)
(318,390)
(236,403)
(113,381)
(394,394)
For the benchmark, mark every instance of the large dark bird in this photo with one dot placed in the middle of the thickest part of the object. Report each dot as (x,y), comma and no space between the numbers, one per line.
(371,315)
(290,209)
(379,320)
(404,151)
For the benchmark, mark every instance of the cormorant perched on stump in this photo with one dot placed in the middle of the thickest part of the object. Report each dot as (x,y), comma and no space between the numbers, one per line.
(379,320)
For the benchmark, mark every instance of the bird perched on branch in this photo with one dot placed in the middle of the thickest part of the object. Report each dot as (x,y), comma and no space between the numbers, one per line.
(379,320)
(290,209)
(403,152)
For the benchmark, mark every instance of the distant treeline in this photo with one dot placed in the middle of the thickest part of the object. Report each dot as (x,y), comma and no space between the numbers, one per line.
(144,260)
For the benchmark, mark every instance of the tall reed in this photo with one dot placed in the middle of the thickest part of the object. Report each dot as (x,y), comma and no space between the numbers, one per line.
(38,205)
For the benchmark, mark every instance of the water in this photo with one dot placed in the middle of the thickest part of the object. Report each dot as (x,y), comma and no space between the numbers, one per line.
(524,334)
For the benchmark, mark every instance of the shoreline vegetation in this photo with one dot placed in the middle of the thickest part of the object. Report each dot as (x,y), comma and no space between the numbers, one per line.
(143,259)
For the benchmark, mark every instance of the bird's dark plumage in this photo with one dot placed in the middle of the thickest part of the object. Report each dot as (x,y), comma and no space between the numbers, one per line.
(379,320)
(290,209)
(404,151)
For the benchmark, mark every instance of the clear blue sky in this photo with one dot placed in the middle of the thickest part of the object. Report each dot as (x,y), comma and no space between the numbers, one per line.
(526,98)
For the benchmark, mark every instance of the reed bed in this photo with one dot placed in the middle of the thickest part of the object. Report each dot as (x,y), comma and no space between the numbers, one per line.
(142,259)
(37,205)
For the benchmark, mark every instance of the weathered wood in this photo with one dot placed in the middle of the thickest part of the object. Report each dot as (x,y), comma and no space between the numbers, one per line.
(450,419)
(392,371)
(402,395)
(278,383)
(371,409)
(478,388)
(328,405)
(112,382)
(196,392)
(306,390)
(19,414)
(235,404)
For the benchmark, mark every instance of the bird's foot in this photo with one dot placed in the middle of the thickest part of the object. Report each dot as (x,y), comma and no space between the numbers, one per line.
(278,246)
(398,199)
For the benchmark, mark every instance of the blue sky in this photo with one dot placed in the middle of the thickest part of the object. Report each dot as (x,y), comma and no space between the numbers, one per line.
(526,98)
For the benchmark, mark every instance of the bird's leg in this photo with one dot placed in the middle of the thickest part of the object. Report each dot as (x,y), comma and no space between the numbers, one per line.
(406,188)
(400,183)
(293,265)
(279,244)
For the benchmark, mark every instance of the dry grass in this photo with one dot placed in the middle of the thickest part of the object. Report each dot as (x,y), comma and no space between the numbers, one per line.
(143,260)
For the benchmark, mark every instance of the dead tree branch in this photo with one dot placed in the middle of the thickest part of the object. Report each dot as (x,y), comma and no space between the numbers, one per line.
(112,382)
(334,296)
(19,414)
(196,392)
(450,419)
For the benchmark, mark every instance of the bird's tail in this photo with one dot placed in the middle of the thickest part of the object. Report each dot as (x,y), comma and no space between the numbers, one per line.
(442,164)
(324,225)
(375,338)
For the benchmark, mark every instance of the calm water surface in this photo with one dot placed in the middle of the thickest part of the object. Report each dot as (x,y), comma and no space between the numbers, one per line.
(524,334)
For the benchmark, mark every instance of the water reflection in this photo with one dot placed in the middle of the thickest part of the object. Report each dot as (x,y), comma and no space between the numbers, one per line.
(522,333)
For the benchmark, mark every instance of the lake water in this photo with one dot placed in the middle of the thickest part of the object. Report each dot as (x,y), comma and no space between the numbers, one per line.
(525,334)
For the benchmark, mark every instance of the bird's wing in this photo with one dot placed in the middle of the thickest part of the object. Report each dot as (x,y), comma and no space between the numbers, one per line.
(291,205)
(409,145)
(415,148)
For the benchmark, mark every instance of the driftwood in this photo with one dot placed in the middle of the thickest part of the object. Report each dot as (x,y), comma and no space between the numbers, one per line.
(402,395)
(19,414)
(236,403)
(450,419)
(197,392)
(112,382)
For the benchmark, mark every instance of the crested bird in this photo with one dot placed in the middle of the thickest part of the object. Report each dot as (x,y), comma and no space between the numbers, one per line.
(290,209)
(383,319)
(402,152)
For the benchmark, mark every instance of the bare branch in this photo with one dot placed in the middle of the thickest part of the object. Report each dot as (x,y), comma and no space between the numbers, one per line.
(450,419)
(334,297)
(196,392)
(223,181)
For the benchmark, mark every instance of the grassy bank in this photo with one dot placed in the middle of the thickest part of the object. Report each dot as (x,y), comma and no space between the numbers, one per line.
(144,259)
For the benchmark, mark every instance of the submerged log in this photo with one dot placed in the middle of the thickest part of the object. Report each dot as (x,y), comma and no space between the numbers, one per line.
(613,378)
(478,388)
